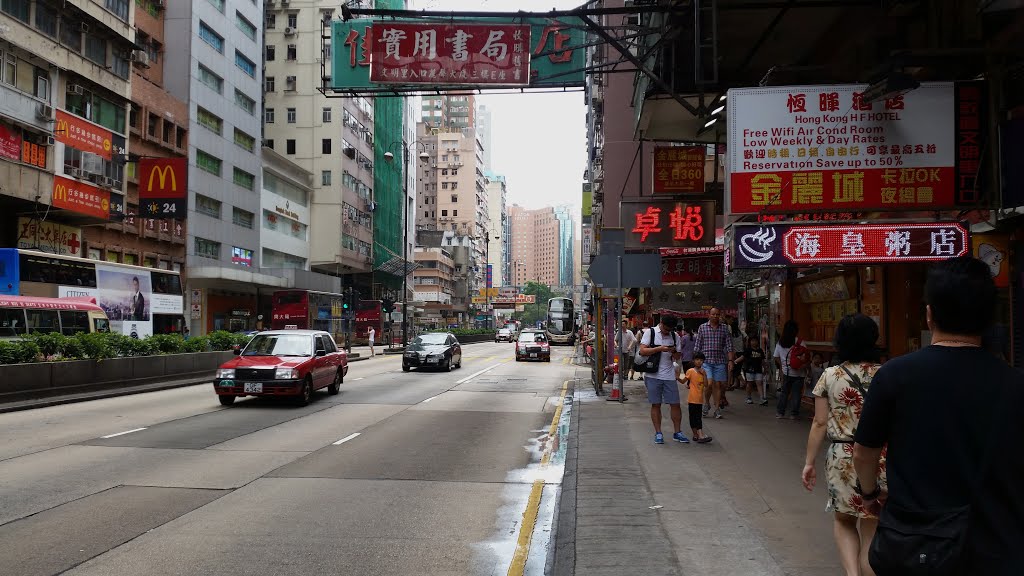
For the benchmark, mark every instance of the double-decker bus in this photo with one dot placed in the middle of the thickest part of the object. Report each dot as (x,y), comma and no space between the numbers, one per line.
(312,310)
(21,315)
(560,323)
(137,300)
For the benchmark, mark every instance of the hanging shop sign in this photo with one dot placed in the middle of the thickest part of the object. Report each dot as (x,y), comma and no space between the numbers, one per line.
(667,223)
(80,197)
(10,142)
(679,169)
(49,237)
(405,56)
(994,250)
(163,188)
(83,135)
(823,148)
(761,245)
(692,269)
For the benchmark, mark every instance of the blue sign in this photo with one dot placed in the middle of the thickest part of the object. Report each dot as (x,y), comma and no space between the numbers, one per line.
(9,272)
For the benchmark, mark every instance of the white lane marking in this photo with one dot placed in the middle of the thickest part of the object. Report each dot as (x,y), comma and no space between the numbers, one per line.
(475,374)
(123,433)
(347,438)
(360,378)
(429,399)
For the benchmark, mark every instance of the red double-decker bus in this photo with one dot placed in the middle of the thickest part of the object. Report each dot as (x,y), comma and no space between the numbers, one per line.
(311,310)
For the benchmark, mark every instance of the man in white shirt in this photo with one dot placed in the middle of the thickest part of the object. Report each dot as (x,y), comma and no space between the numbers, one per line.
(628,347)
(372,335)
(661,385)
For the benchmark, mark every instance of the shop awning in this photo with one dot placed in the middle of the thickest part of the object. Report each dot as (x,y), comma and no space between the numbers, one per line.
(396,265)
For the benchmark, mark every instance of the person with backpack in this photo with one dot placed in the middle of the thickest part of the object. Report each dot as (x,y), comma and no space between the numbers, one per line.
(791,358)
(839,397)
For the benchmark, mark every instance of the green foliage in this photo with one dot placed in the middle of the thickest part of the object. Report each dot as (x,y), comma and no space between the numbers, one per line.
(532,313)
(18,351)
(96,345)
(222,340)
(49,343)
(196,344)
(102,345)
(71,348)
(241,339)
(167,343)
(466,331)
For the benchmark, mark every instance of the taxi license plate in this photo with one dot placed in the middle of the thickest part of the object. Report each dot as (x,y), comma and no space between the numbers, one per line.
(252,387)
(533,355)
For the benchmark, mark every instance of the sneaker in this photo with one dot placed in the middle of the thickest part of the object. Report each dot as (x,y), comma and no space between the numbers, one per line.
(794,417)
(704,440)
(764,402)
(718,414)
(704,411)
(779,416)
(678,437)
(749,400)
(659,438)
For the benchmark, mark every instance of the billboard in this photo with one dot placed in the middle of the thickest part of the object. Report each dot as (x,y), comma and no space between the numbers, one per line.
(553,55)
(763,245)
(163,188)
(49,237)
(81,197)
(83,135)
(679,169)
(667,223)
(823,148)
(10,142)
(125,296)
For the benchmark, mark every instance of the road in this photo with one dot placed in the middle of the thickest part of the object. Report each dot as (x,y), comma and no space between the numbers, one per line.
(402,473)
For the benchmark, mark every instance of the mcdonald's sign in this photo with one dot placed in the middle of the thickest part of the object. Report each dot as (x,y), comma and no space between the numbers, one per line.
(79,197)
(83,135)
(163,188)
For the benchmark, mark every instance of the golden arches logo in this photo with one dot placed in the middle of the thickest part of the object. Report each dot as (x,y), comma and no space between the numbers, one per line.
(164,172)
(60,192)
(62,127)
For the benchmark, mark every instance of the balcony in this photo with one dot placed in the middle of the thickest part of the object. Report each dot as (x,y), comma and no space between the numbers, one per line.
(25,108)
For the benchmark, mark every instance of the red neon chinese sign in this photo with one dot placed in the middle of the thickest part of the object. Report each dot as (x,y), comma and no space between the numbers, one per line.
(875,243)
(658,224)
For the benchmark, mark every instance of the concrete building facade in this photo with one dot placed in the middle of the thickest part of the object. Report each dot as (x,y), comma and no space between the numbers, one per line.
(498,236)
(542,244)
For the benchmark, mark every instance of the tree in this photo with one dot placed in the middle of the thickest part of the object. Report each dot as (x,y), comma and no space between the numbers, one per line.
(532,313)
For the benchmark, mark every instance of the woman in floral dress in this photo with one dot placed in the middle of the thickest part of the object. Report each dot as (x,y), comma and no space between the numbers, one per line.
(839,397)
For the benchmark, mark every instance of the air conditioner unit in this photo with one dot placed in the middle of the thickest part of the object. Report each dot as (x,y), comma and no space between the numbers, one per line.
(107,182)
(141,58)
(77,173)
(96,178)
(50,140)
(289,31)
(159,4)
(285,2)
(76,89)
(44,112)
(350,152)
(83,27)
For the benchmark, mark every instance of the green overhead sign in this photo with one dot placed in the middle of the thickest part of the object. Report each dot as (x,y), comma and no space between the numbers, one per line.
(557,58)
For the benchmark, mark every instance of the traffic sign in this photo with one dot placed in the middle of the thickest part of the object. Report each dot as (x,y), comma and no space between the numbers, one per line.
(638,270)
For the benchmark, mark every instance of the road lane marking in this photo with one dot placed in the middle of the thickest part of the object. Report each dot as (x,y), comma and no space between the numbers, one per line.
(554,422)
(429,399)
(475,374)
(347,438)
(123,433)
(360,378)
(518,565)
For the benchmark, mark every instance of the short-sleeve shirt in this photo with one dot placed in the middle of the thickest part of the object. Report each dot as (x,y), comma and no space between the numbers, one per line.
(714,343)
(372,333)
(845,402)
(698,380)
(783,355)
(665,369)
(687,347)
(753,360)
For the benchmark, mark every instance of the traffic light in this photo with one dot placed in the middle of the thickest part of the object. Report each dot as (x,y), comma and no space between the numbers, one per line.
(346,300)
(389,305)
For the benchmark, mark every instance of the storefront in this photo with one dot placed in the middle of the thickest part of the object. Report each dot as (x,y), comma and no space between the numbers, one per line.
(231,312)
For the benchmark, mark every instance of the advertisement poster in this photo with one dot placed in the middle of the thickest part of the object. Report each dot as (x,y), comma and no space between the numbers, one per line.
(125,297)
(163,187)
(679,169)
(49,237)
(10,142)
(80,197)
(823,148)
(83,135)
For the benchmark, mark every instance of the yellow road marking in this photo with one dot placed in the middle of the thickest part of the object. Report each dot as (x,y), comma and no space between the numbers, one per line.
(518,565)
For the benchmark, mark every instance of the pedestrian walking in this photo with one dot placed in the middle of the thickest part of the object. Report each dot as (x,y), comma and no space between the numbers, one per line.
(628,347)
(714,341)
(955,503)
(790,357)
(661,385)
(696,380)
(839,398)
(687,355)
(371,335)
(751,363)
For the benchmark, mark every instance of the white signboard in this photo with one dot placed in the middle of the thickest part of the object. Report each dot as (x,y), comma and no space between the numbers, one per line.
(166,303)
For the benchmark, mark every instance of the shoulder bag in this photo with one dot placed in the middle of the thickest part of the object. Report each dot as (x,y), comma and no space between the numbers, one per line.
(649,364)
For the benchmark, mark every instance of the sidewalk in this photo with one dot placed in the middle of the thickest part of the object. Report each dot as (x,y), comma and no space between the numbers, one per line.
(732,507)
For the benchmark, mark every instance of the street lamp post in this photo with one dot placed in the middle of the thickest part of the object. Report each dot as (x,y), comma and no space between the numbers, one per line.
(388,156)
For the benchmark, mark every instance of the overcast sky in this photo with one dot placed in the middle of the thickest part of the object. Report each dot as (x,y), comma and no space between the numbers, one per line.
(538,141)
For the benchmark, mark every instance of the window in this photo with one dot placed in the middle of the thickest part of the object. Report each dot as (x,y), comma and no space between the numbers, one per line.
(244,102)
(244,179)
(244,64)
(327,115)
(152,125)
(455,198)
(289,146)
(271,21)
(444,212)
(242,218)
(271,52)
(268,143)
(291,115)
(289,84)
(268,84)
(119,8)
(46,20)
(211,80)
(293,20)
(168,131)
(70,31)
(455,212)
(218,4)
(120,66)
(17,8)
(179,137)
(325,146)
(325,178)
(96,49)
(241,256)
(208,206)
(207,248)
(210,37)
(444,172)
(248,28)
(455,185)
(244,140)
(208,120)
(444,185)
(455,172)
(268,115)
(208,162)
(9,70)
(291,54)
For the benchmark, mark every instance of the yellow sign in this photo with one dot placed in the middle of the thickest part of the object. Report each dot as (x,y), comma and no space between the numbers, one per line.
(164,172)
(489,292)
(479,300)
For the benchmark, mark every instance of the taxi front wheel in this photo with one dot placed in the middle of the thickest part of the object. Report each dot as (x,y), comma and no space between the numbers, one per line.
(226,400)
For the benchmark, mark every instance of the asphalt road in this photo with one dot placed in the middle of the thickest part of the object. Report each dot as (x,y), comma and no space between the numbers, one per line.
(402,473)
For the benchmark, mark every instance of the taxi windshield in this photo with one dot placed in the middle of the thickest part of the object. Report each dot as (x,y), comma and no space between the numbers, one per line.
(532,337)
(279,345)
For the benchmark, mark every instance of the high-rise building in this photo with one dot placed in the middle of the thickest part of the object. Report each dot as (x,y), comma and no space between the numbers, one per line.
(449,111)
(542,246)
(497,238)
(215,66)
(484,120)
(566,245)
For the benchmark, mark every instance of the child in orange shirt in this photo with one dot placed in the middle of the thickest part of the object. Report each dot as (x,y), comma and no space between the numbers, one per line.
(696,380)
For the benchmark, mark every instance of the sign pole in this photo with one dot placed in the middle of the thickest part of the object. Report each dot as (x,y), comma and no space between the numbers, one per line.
(618,325)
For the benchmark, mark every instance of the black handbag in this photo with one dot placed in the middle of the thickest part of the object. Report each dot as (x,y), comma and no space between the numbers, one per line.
(927,542)
(649,364)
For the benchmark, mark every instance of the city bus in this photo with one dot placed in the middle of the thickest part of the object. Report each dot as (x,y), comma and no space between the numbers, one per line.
(21,315)
(560,322)
(312,310)
(137,300)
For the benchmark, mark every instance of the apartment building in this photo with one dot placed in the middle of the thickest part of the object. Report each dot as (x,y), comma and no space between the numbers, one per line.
(449,111)
(498,235)
(434,285)
(542,243)
(64,100)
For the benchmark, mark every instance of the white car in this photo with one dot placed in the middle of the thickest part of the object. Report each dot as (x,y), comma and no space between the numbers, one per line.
(504,335)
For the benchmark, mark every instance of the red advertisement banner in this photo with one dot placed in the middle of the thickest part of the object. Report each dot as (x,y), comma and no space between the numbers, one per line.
(82,198)
(888,189)
(679,169)
(699,269)
(10,143)
(82,135)
(450,53)
(881,243)
(34,154)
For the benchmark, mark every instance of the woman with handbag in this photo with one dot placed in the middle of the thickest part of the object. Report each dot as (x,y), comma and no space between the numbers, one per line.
(839,398)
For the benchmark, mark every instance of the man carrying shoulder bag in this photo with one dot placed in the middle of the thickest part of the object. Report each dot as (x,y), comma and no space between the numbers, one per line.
(657,357)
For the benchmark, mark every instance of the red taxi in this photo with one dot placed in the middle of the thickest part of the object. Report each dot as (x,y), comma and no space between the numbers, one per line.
(292,363)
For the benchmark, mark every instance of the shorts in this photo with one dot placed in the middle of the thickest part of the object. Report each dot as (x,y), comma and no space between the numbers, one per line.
(753,376)
(661,391)
(696,420)
(716,372)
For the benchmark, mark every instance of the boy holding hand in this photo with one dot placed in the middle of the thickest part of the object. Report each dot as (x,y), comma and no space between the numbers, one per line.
(696,381)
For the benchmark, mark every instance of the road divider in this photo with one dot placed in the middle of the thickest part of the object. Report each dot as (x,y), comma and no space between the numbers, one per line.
(347,438)
(123,433)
